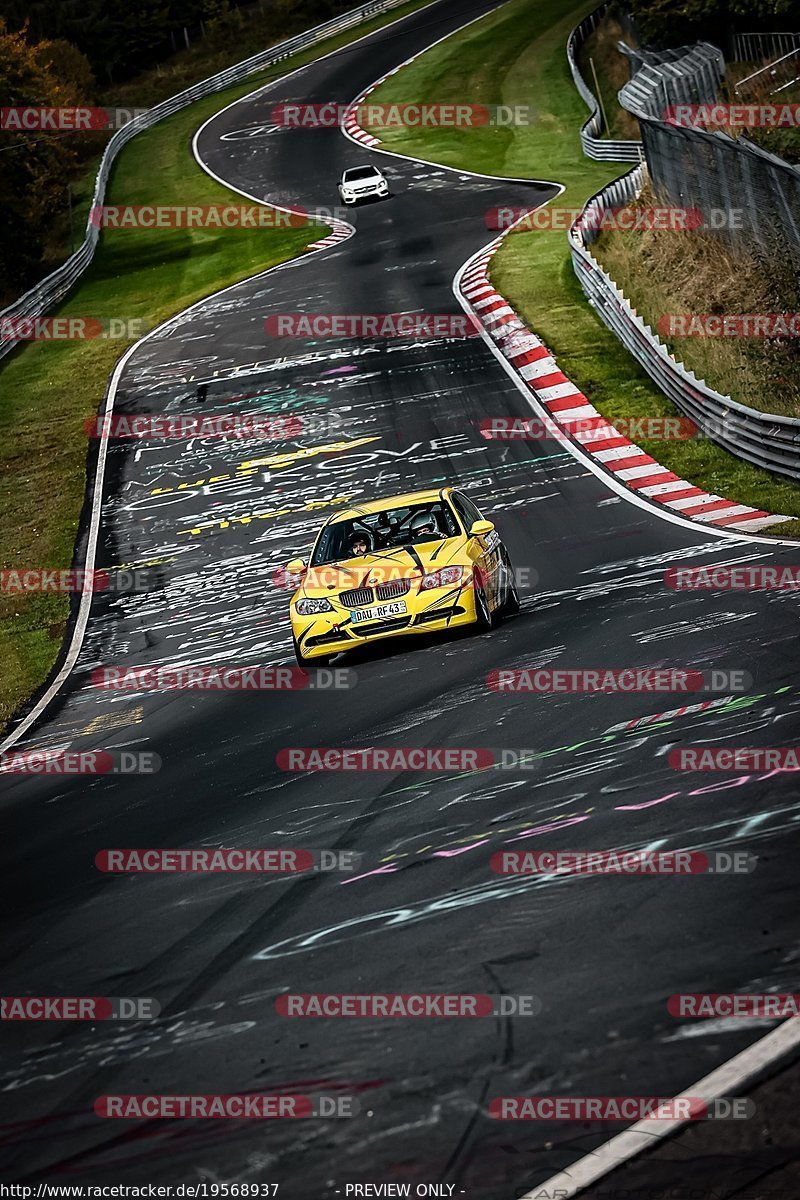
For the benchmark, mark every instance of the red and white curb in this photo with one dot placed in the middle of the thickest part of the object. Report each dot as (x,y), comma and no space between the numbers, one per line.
(670,714)
(350,121)
(341,231)
(598,438)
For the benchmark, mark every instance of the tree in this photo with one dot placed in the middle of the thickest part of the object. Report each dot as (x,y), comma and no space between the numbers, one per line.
(34,165)
(663,23)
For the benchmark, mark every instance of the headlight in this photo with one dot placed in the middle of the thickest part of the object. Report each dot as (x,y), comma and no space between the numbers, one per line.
(441,578)
(307,608)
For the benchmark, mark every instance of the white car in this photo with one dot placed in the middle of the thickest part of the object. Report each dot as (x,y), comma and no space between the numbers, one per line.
(357,183)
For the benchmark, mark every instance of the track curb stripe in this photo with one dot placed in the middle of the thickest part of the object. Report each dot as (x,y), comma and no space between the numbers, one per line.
(537,367)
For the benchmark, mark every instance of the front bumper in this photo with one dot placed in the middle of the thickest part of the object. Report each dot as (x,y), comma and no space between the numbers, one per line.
(353,197)
(333,633)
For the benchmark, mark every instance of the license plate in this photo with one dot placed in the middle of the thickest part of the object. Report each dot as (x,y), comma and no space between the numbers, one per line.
(378,612)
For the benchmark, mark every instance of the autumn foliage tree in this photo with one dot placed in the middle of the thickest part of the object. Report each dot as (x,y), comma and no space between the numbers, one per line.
(679,22)
(34,165)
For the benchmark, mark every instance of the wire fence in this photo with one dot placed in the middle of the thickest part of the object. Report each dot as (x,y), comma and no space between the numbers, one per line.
(753,47)
(748,197)
(54,287)
(758,198)
(772,79)
(763,439)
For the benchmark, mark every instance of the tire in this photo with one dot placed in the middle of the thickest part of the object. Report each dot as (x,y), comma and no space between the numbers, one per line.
(483,617)
(322,660)
(511,601)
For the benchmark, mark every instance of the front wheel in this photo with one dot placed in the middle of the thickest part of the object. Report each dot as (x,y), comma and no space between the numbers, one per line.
(321,660)
(511,601)
(483,617)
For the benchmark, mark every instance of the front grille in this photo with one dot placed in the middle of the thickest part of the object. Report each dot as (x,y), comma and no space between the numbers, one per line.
(439,614)
(324,638)
(357,597)
(393,589)
(364,630)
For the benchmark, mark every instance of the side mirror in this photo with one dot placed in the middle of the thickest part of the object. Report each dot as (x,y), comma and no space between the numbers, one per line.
(481,528)
(296,566)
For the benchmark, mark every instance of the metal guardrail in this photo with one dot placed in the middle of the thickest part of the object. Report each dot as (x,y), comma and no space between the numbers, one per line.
(50,290)
(594,146)
(764,439)
(687,75)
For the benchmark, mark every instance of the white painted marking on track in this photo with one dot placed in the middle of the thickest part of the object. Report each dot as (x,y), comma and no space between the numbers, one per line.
(729,1079)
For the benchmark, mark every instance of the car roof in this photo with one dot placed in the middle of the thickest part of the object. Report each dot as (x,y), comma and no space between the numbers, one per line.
(361,167)
(429,496)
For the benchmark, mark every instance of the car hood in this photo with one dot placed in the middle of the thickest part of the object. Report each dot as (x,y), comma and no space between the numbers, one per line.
(408,562)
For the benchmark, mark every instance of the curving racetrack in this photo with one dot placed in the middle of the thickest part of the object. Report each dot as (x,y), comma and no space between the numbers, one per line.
(428,914)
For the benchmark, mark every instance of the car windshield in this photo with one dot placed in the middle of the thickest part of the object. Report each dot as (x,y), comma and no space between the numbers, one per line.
(387,530)
(360,173)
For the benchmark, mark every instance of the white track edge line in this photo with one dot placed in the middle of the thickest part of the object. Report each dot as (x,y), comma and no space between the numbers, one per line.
(729,1079)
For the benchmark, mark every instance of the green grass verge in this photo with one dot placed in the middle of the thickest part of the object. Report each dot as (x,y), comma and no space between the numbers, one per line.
(517,56)
(49,389)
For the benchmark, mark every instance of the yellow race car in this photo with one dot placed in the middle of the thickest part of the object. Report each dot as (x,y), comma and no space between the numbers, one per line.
(418,563)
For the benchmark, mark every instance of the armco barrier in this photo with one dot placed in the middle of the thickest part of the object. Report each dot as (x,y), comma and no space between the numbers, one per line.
(56,285)
(763,439)
(600,149)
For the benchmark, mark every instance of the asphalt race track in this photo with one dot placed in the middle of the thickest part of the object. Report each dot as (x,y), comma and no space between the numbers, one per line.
(213,522)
